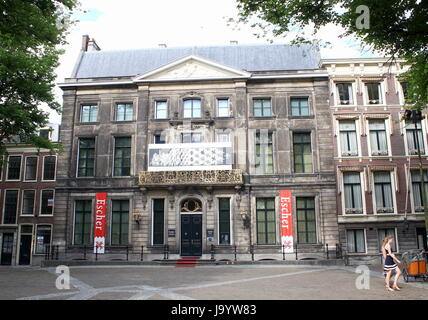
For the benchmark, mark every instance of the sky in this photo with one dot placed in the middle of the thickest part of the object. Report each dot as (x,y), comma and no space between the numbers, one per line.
(132,24)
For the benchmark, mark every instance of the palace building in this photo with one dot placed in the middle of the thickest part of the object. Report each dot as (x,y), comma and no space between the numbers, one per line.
(191,147)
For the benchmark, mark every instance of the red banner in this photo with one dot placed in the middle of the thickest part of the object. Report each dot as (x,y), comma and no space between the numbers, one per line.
(286,220)
(100,222)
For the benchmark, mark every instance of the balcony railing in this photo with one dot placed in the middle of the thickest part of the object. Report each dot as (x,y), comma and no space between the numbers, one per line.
(190,156)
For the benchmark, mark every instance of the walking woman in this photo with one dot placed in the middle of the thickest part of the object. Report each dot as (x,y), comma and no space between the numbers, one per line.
(390,263)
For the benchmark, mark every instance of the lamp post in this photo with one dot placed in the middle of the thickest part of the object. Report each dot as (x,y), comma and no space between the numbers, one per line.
(416,116)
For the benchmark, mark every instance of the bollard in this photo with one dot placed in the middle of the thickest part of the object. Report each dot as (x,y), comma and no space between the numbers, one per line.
(57,253)
(212,252)
(295,247)
(326,250)
(127,252)
(252,252)
(235,252)
(96,252)
(142,252)
(283,252)
(84,252)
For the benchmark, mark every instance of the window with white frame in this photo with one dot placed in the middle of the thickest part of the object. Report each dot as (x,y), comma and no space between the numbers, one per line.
(49,167)
(378,137)
(356,240)
(415,138)
(223,108)
(192,137)
(262,108)
(383,192)
(43,238)
(373,92)
(345,93)
(14,168)
(28,197)
(348,138)
(30,168)
(161,110)
(223,137)
(192,108)
(352,192)
(124,112)
(418,202)
(46,202)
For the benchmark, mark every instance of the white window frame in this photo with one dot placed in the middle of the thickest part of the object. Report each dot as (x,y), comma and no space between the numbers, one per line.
(412,201)
(40,203)
(43,167)
(358,134)
(22,203)
(363,196)
(123,103)
(25,168)
(35,229)
(4,206)
(393,190)
(228,105)
(395,238)
(387,122)
(336,94)
(365,242)
(156,109)
(424,135)
(382,94)
(20,167)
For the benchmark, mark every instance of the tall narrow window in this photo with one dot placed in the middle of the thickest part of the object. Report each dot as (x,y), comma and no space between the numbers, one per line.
(192,108)
(10,206)
(45,133)
(348,138)
(264,152)
(30,168)
(405,89)
(43,236)
(352,192)
(223,108)
(47,202)
(14,168)
(161,110)
(122,156)
(158,221)
(262,108)
(86,157)
(82,222)
(415,139)
(299,106)
(302,152)
(89,113)
(306,221)
(383,192)
(383,233)
(49,164)
(378,138)
(28,197)
(119,222)
(374,93)
(224,221)
(124,112)
(417,189)
(345,93)
(356,241)
(266,226)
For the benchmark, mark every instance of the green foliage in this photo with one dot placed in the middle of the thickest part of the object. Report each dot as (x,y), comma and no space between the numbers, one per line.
(397,28)
(30,33)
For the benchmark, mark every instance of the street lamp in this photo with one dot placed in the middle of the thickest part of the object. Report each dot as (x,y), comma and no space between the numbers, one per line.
(416,116)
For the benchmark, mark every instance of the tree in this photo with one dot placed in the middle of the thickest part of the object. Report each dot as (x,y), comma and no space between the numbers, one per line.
(30,33)
(395,28)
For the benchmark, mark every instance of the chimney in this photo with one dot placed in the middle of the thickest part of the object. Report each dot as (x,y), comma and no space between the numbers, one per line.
(92,45)
(233,42)
(85,41)
(162,45)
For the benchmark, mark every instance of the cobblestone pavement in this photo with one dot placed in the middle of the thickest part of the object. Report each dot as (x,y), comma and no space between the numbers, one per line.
(238,282)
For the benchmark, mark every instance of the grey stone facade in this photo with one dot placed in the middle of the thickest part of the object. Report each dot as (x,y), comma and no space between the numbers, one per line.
(241,88)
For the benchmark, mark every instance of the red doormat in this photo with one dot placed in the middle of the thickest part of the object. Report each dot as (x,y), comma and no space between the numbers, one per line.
(186,262)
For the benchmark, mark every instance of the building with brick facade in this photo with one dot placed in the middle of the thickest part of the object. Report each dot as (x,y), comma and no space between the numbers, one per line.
(375,157)
(192,146)
(27,192)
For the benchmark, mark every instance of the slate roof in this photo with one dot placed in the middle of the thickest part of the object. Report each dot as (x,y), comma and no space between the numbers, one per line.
(126,63)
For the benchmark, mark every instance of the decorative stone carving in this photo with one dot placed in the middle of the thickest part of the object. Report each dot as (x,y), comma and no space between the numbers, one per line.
(196,177)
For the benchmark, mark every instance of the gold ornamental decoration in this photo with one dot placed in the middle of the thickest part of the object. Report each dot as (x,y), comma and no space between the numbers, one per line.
(196,177)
